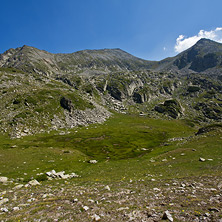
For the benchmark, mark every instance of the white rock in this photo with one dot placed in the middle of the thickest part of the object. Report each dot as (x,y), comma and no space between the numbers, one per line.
(183,185)
(107,187)
(123,208)
(15,208)
(72,175)
(47,195)
(4,209)
(90,200)
(75,200)
(96,217)
(2,193)
(4,200)
(85,208)
(3,179)
(167,216)
(93,161)
(18,186)
(201,159)
(156,189)
(219,185)
(33,183)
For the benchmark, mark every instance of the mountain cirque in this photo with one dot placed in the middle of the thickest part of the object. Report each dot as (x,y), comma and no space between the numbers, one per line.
(96,82)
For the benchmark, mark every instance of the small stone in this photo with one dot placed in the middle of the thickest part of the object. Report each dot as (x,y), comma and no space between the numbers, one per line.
(15,208)
(2,193)
(213,209)
(96,217)
(123,208)
(18,186)
(93,161)
(201,159)
(194,150)
(182,154)
(219,185)
(156,189)
(4,209)
(207,215)
(107,187)
(3,179)
(33,183)
(75,200)
(149,214)
(167,216)
(90,200)
(4,200)
(72,175)
(85,208)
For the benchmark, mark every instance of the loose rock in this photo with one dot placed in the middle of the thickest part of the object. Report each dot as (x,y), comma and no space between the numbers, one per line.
(4,200)
(96,217)
(85,208)
(202,159)
(93,161)
(167,216)
(107,187)
(3,179)
(33,183)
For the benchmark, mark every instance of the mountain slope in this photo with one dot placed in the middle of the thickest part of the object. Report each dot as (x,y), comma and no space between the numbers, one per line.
(30,59)
(204,56)
(41,91)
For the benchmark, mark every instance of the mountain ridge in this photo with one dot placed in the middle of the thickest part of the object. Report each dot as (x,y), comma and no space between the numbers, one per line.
(204,55)
(44,91)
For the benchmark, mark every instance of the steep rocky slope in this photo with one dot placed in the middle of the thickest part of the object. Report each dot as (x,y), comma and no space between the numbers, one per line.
(205,56)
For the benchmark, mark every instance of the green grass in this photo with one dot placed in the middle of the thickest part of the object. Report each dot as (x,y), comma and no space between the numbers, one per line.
(118,145)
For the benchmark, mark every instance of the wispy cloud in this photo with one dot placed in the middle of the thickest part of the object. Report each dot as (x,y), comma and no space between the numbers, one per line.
(183,42)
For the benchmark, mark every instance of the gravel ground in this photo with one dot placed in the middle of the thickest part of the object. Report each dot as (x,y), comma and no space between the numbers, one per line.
(187,199)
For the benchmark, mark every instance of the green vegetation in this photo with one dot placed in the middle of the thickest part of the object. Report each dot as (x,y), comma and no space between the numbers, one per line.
(123,146)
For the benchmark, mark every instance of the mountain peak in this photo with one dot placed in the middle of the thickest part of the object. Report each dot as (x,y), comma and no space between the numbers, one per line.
(207,42)
(203,40)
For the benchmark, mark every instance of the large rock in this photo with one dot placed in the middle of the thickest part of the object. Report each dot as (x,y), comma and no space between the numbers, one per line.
(170,107)
(66,104)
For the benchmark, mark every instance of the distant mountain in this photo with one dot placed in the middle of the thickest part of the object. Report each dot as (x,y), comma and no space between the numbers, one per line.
(204,56)
(31,59)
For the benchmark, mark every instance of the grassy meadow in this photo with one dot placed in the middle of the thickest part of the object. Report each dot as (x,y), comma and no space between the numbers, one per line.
(124,146)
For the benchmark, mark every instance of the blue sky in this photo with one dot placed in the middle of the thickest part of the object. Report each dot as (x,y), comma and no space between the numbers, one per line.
(149,29)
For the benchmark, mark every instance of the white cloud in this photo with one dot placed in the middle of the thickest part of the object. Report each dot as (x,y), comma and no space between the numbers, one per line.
(183,42)
(164,48)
